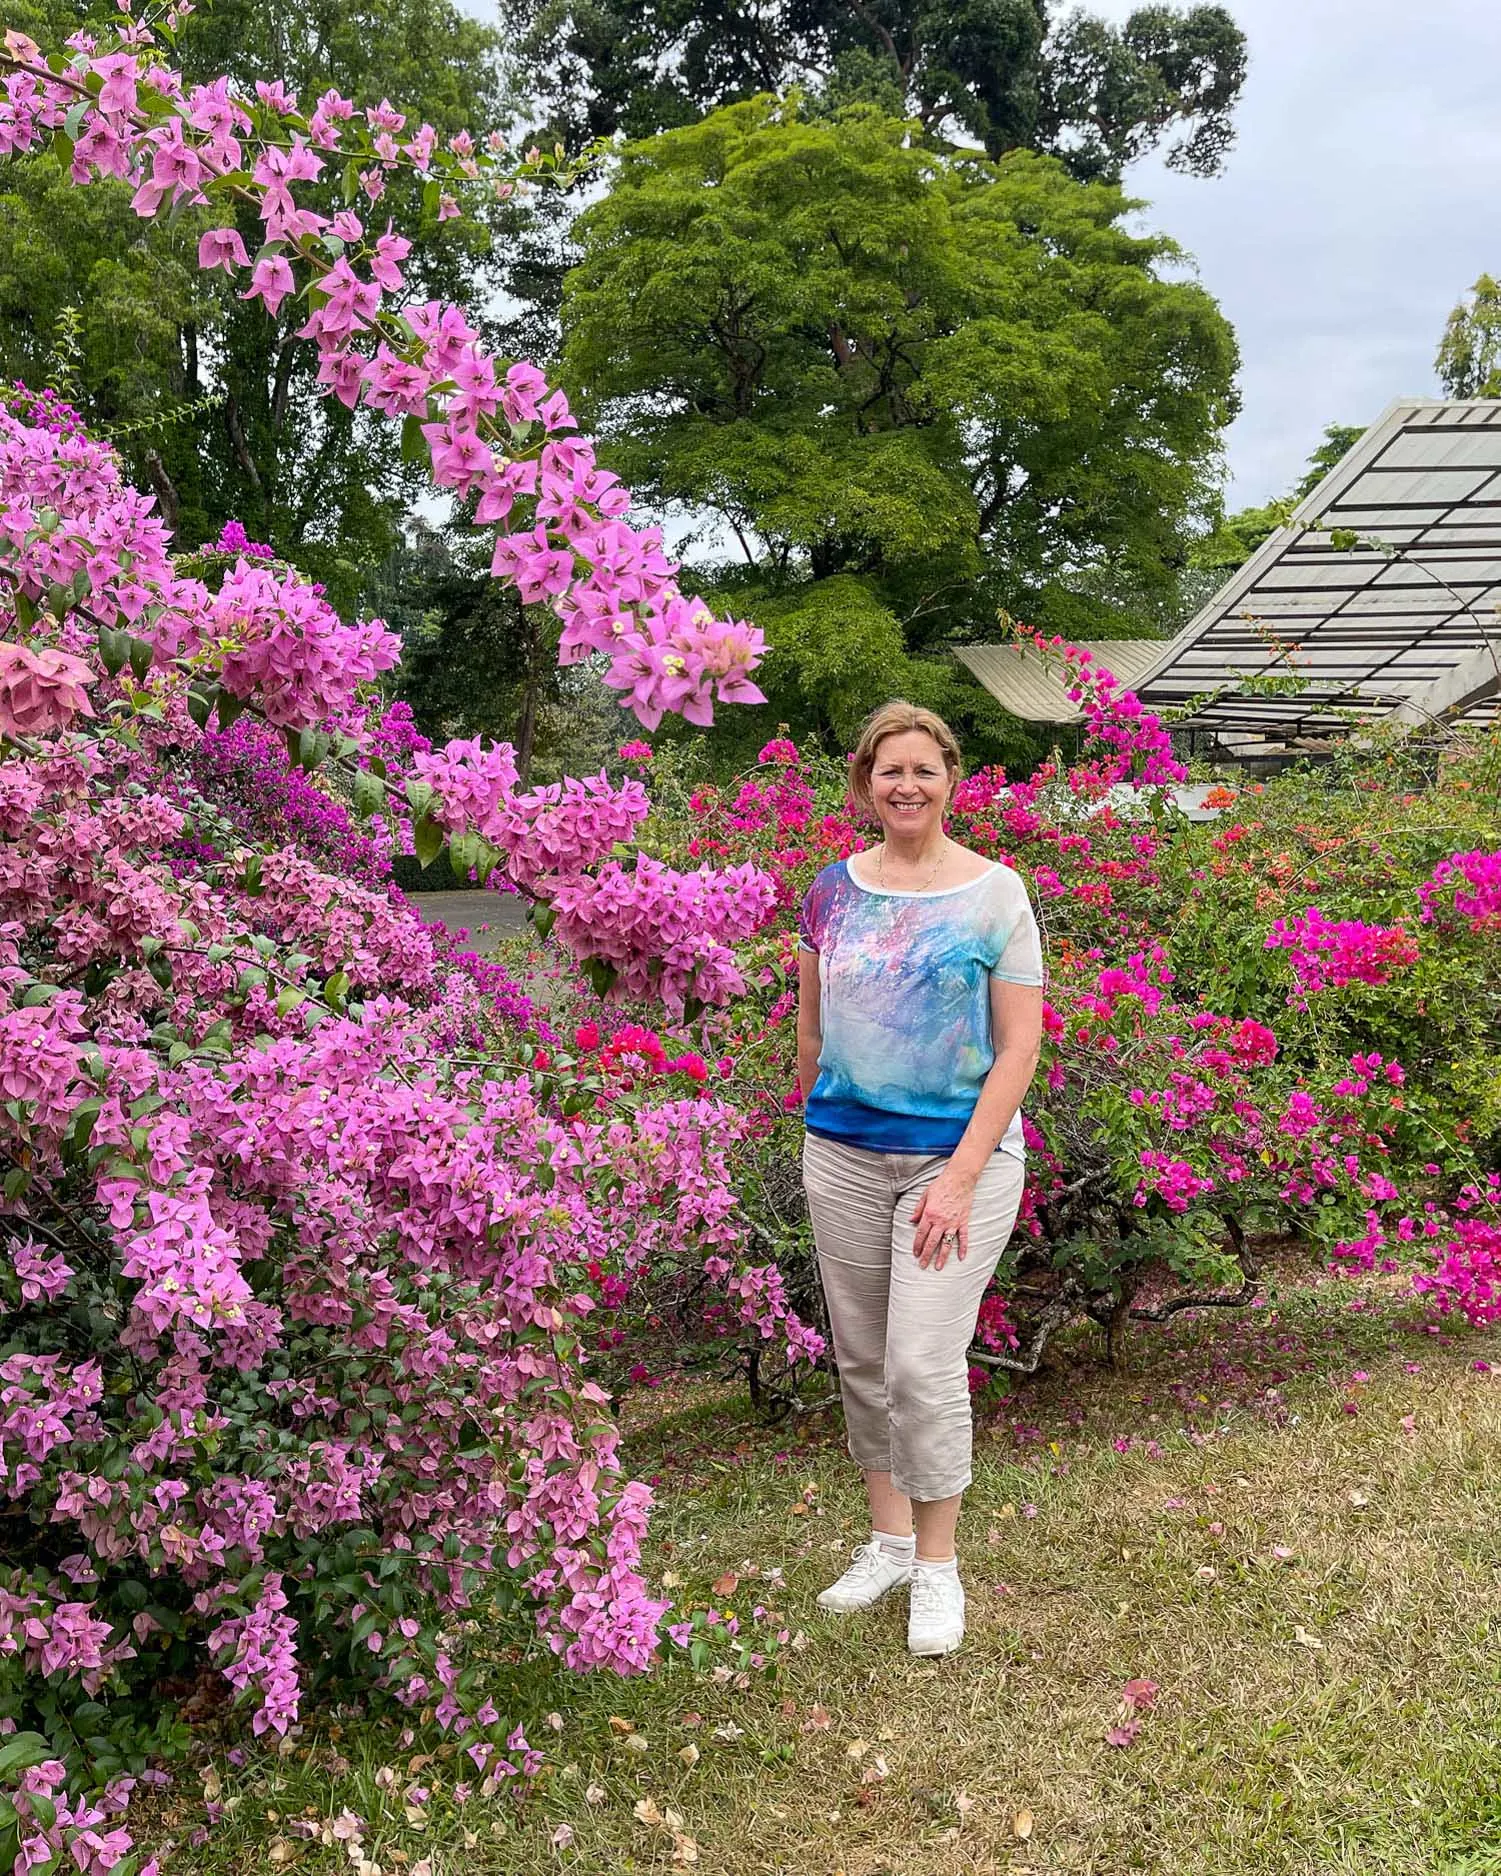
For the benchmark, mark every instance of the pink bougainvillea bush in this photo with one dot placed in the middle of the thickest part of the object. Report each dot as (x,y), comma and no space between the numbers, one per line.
(299,1249)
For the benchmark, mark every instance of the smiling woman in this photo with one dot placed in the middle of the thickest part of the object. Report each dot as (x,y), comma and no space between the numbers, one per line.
(919,1018)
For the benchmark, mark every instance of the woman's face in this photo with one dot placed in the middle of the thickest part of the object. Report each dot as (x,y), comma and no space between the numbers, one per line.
(910,786)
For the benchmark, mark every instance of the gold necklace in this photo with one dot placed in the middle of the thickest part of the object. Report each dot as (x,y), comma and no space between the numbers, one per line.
(943,848)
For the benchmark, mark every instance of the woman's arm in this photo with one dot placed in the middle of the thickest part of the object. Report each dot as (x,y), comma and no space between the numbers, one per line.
(809,1020)
(1016,1023)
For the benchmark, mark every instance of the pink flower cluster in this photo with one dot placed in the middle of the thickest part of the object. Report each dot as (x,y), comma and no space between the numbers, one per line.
(1466,1247)
(1328,954)
(56,1636)
(41,690)
(1139,749)
(1464,888)
(277,640)
(1174,1181)
(667,934)
(56,1833)
(37,1274)
(262,1654)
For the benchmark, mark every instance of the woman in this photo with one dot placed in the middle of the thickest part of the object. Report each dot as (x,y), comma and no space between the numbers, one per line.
(919,1018)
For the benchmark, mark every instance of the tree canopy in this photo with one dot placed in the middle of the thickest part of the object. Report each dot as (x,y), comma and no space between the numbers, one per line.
(909,389)
(1005,74)
(214,404)
(1469,354)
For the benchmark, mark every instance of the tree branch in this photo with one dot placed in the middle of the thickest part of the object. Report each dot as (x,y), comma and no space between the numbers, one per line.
(1064,1306)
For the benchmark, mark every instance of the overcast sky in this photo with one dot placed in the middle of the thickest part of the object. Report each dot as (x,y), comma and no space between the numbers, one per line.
(1362,197)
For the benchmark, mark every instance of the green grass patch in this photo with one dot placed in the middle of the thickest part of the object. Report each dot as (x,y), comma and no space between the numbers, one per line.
(1289,1520)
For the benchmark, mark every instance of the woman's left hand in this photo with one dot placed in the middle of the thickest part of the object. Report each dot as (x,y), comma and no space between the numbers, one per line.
(941,1216)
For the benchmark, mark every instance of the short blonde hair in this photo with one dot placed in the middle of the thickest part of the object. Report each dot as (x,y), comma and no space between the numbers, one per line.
(895,719)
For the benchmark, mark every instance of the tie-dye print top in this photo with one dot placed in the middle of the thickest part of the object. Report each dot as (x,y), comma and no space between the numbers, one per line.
(904,984)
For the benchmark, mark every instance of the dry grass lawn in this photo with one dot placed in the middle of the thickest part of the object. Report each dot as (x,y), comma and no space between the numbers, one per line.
(1314,1590)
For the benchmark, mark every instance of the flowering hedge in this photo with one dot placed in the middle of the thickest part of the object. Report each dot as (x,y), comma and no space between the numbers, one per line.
(1281,1023)
(295,1273)
(299,1245)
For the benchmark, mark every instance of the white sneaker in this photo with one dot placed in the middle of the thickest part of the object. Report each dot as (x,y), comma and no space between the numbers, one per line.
(936,1623)
(872,1572)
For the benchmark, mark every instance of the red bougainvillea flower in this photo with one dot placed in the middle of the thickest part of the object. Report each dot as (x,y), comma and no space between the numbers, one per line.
(41,690)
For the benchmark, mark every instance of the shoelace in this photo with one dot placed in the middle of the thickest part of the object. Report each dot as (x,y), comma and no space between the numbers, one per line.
(865,1560)
(927,1594)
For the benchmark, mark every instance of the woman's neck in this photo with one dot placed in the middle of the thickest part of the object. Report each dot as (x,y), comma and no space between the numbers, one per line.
(913,851)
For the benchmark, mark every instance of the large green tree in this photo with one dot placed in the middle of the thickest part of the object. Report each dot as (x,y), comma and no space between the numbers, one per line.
(216,404)
(1007,74)
(907,389)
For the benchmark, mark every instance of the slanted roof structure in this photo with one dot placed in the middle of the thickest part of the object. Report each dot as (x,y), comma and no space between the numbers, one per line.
(1034,690)
(1379,599)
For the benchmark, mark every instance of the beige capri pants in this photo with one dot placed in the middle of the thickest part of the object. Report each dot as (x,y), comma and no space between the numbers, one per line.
(901,1333)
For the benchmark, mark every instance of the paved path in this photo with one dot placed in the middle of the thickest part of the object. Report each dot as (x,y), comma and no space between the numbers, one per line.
(488,916)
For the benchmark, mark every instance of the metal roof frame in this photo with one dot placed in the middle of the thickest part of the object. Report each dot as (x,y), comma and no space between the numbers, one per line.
(1032,688)
(1411,630)
(1309,639)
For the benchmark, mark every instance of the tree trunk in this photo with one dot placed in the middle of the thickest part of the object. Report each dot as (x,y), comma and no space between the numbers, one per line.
(166,493)
(1115,1334)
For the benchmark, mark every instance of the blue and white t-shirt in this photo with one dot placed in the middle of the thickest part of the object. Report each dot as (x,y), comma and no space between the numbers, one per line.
(904,985)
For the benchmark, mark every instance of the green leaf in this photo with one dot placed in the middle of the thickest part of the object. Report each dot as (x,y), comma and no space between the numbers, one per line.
(201,704)
(413,442)
(367,792)
(601,974)
(44,1811)
(22,1751)
(288,998)
(114,648)
(419,797)
(140,653)
(427,840)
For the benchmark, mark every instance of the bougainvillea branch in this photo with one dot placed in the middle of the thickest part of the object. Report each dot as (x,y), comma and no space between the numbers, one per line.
(495,436)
